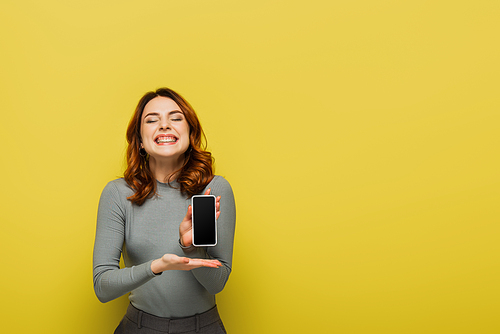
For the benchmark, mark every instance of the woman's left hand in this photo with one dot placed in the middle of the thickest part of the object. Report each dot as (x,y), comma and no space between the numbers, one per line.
(185,228)
(174,262)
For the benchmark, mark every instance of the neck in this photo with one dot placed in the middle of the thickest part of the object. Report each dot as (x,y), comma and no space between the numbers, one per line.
(165,169)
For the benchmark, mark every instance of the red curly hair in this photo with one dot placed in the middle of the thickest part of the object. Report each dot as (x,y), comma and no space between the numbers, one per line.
(197,170)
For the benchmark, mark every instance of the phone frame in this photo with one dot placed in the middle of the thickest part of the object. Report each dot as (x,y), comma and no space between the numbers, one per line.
(193,220)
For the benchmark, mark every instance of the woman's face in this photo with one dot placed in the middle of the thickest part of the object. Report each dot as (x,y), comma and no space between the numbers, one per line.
(164,129)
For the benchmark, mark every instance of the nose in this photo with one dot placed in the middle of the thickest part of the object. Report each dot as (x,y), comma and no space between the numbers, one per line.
(164,124)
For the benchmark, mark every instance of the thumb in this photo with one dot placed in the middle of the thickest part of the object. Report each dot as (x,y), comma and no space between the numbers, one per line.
(189,213)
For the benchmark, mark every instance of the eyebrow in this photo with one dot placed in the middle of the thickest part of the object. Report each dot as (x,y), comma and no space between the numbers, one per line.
(169,114)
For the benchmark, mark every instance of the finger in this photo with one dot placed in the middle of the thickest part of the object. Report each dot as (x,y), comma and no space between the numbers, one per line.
(206,263)
(184,260)
(172,258)
(197,263)
(189,213)
(208,191)
(211,263)
(217,206)
(217,215)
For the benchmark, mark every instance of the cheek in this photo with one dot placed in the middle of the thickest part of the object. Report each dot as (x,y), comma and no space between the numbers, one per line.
(185,130)
(145,132)
(141,137)
(188,134)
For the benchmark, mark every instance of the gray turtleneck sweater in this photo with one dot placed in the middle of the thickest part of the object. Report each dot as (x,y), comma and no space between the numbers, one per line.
(145,233)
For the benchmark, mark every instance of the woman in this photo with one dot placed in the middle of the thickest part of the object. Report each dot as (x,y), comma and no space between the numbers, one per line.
(146,217)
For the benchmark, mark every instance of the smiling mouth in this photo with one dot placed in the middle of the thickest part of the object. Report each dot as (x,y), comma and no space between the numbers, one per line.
(165,139)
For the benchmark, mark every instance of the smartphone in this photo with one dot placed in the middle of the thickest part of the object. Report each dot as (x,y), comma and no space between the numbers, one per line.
(204,220)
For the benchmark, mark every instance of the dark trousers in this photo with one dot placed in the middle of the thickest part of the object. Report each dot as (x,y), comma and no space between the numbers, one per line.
(137,321)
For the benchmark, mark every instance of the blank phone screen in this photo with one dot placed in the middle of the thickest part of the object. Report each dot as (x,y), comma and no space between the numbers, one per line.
(204,230)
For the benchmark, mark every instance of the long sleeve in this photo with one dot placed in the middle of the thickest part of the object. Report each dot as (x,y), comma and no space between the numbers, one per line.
(110,281)
(212,279)
(142,233)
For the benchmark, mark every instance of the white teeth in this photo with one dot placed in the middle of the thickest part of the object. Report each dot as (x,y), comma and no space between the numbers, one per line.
(166,140)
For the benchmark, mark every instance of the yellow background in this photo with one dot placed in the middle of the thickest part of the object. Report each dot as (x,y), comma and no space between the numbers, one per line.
(360,137)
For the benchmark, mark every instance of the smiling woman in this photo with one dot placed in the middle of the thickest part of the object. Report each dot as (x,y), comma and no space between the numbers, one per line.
(146,218)
(163,113)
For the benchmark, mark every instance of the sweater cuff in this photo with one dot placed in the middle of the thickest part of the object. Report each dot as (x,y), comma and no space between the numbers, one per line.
(187,249)
(150,271)
(194,252)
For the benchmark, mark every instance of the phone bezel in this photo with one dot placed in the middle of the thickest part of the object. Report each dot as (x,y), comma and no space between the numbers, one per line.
(193,222)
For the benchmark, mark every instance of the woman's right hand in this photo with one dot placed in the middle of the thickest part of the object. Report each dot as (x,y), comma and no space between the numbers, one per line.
(174,262)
